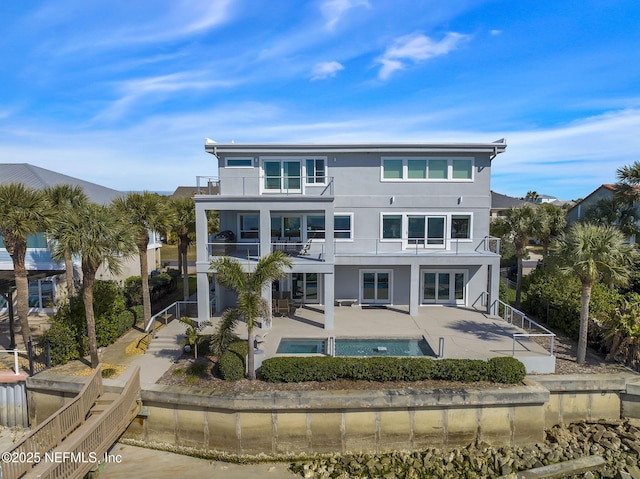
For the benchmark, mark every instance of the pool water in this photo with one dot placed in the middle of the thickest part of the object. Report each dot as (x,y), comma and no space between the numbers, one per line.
(301,346)
(358,347)
(383,347)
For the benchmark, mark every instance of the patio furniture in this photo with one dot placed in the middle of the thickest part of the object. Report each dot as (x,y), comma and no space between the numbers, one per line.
(281,307)
(346,301)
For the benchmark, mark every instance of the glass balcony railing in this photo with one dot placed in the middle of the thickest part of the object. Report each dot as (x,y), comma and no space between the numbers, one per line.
(264,185)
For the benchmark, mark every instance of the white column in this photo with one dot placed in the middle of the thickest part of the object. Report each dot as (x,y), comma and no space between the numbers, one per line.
(265,231)
(414,293)
(329,298)
(202,262)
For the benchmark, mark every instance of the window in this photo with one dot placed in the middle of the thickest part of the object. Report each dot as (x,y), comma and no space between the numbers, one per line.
(239,162)
(461,226)
(435,230)
(249,226)
(392,169)
(426,169)
(315,227)
(392,226)
(342,225)
(438,169)
(315,171)
(282,175)
(417,169)
(461,169)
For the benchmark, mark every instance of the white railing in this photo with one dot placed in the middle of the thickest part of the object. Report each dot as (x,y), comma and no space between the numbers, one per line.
(514,316)
(428,246)
(264,185)
(175,311)
(16,364)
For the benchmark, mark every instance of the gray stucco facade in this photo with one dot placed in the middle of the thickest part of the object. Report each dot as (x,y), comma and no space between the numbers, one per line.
(373,224)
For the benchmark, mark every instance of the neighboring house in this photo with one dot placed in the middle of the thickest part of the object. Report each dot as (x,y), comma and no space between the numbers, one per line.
(374,224)
(43,271)
(578,210)
(501,203)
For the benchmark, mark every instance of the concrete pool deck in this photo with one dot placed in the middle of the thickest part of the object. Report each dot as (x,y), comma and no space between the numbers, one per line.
(468,333)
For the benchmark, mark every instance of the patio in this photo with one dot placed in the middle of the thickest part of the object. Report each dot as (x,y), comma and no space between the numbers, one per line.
(467,333)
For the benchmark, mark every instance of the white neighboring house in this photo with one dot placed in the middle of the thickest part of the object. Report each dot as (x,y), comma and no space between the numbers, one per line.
(45,275)
(372,224)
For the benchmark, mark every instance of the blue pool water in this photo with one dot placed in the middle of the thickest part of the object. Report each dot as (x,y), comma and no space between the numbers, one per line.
(358,347)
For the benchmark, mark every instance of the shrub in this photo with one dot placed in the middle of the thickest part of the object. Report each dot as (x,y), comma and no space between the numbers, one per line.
(506,370)
(384,369)
(62,340)
(232,362)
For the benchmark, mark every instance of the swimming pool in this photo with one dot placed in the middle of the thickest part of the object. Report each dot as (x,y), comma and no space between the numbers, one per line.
(358,347)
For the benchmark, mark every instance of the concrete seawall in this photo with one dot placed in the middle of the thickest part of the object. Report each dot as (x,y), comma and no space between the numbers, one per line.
(340,421)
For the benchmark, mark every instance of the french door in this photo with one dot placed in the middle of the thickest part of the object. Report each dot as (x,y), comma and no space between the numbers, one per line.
(375,287)
(445,287)
(305,288)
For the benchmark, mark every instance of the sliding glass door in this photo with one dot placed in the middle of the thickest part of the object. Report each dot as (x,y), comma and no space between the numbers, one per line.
(375,287)
(445,287)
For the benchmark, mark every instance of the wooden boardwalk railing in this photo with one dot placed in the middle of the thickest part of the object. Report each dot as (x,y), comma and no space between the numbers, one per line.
(91,441)
(54,430)
(75,438)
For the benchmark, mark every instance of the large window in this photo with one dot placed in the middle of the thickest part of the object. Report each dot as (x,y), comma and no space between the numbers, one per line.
(443,287)
(427,169)
(249,226)
(429,230)
(282,176)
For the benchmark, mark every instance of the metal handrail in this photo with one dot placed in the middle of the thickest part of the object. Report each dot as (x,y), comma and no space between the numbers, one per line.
(510,313)
(165,313)
(16,365)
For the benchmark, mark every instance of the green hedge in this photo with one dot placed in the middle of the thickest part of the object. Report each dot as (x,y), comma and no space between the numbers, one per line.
(290,369)
(232,364)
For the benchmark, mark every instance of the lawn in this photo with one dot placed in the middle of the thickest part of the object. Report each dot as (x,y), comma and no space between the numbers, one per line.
(169,252)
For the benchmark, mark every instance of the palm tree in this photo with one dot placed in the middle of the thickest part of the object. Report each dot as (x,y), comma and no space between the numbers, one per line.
(532,197)
(593,253)
(193,331)
(615,211)
(63,197)
(182,222)
(628,181)
(516,226)
(550,222)
(144,212)
(23,212)
(98,235)
(248,286)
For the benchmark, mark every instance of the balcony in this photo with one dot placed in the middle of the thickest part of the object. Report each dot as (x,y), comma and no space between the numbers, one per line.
(305,251)
(263,185)
(432,246)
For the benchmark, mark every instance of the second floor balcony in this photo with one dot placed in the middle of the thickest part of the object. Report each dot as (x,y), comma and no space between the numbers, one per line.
(315,249)
(284,185)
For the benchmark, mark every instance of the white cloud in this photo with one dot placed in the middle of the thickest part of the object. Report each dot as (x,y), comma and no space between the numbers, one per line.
(495,32)
(324,70)
(416,48)
(133,90)
(333,10)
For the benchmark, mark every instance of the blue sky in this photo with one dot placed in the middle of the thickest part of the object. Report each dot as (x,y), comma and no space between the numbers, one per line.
(123,93)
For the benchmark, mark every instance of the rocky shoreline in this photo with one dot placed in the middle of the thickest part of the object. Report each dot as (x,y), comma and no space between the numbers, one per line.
(618,442)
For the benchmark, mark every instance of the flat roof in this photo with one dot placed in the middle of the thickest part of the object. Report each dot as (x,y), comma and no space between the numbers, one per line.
(494,148)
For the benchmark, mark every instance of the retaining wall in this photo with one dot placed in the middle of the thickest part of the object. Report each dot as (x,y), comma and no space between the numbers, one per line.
(341,421)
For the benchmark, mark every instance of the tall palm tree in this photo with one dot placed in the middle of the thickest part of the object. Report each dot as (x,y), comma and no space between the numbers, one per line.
(23,212)
(550,222)
(248,286)
(144,212)
(63,197)
(532,197)
(182,222)
(516,226)
(98,235)
(593,253)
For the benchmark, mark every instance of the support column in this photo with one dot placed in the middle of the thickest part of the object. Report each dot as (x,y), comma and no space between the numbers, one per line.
(202,262)
(265,231)
(329,299)
(414,294)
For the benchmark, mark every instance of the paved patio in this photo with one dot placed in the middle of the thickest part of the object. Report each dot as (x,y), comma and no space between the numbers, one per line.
(467,332)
